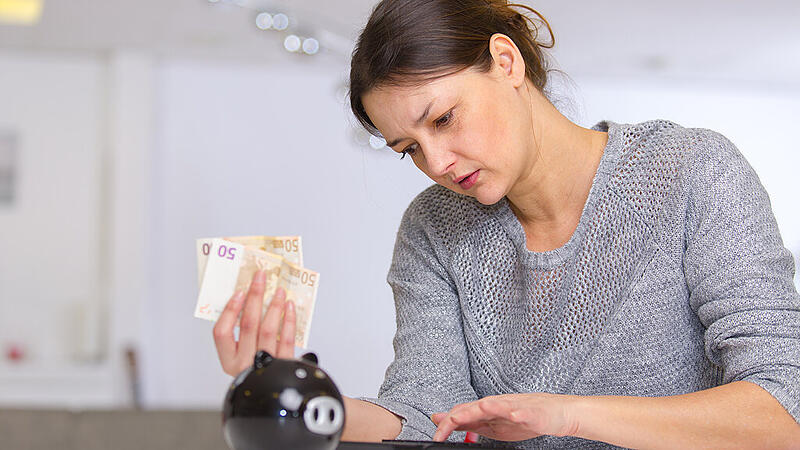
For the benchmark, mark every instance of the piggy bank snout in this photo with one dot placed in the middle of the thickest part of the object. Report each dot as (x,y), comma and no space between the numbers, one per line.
(324,415)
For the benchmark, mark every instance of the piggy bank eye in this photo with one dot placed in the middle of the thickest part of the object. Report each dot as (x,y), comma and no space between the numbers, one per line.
(291,399)
(300,373)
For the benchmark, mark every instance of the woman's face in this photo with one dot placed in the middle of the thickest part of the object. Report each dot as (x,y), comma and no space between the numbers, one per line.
(465,131)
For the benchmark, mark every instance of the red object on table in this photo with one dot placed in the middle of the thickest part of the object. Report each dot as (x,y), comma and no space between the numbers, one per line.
(472,438)
(14,353)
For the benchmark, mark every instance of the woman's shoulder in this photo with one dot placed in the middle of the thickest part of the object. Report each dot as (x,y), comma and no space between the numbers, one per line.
(658,159)
(700,149)
(660,135)
(660,151)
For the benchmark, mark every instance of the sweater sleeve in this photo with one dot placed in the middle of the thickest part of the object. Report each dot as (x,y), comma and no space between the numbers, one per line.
(430,372)
(740,275)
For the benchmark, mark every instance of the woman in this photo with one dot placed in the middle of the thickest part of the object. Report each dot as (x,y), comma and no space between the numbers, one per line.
(561,286)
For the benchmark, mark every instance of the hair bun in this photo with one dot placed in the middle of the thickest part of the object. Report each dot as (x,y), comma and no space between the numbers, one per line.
(518,21)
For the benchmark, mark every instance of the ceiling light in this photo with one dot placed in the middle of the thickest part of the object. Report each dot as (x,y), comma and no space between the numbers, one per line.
(280,21)
(20,12)
(264,21)
(292,43)
(377,142)
(310,46)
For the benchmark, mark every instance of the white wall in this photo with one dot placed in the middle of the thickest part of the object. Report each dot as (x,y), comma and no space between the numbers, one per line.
(51,246)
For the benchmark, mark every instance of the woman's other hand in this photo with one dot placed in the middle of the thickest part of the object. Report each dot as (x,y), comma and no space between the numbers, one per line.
(509,417)
(255,333)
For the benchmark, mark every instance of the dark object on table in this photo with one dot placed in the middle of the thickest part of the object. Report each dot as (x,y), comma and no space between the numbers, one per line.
(134,380)
(283,404)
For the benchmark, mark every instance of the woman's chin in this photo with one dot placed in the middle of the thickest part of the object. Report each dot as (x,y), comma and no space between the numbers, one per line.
(485,196)
(488,199)
(482,195)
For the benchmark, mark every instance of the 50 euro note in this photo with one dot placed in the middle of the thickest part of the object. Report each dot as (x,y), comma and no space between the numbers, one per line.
(231,267)
(289,247)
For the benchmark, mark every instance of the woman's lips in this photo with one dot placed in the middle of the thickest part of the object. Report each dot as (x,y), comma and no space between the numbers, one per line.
(469,181)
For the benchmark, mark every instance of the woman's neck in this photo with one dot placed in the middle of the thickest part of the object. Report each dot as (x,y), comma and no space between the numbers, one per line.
(555,182)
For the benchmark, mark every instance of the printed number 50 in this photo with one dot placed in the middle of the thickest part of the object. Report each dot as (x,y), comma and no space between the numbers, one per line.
(307,278)
(226,252)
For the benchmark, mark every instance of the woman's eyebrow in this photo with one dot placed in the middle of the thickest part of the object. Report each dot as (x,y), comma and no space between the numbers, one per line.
(417,123)
(425,114)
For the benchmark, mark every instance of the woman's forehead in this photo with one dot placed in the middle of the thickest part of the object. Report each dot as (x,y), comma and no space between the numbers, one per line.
(400,97)
(395,108)
(418,94)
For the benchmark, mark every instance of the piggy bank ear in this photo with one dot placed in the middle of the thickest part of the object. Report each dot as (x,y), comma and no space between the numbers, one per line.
(262,359)
(310,357)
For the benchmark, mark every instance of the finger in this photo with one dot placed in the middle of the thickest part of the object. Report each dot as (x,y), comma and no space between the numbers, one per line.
(223,329)
(441,415)
(437,417)
(459,420)
(268,333)
(286,345)
(251,317)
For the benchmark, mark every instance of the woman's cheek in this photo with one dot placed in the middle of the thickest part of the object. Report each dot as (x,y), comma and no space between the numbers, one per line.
(479,137)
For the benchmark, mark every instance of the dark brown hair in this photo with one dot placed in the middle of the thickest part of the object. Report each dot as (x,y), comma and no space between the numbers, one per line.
(413,41)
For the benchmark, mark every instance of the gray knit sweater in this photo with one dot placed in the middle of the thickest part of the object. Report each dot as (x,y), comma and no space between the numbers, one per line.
(675,280)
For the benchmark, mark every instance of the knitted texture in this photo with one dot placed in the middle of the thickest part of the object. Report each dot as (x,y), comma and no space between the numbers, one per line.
(675,280)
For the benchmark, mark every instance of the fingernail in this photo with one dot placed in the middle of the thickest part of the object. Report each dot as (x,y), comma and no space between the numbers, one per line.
(290,306)
(261,275)
(238,297)
(280,292)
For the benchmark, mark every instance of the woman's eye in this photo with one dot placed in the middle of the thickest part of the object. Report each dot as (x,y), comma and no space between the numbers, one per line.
(408,151)
(444,120)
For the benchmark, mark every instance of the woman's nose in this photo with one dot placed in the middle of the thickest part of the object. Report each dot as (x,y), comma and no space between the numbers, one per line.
(439,159)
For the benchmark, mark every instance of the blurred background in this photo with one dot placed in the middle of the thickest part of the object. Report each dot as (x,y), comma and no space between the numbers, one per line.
(130,128)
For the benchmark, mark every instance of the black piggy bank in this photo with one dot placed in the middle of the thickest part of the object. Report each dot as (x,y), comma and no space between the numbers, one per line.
(283,404)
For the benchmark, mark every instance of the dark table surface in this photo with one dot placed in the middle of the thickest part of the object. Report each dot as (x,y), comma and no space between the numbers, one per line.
(409,445)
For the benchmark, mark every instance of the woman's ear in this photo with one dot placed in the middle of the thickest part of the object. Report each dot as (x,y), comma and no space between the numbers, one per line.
(507,58)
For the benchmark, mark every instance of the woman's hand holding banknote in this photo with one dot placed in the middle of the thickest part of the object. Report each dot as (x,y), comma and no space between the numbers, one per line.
(255,333)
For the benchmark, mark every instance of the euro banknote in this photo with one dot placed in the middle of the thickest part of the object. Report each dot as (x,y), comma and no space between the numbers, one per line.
(230,267)
(290,247)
